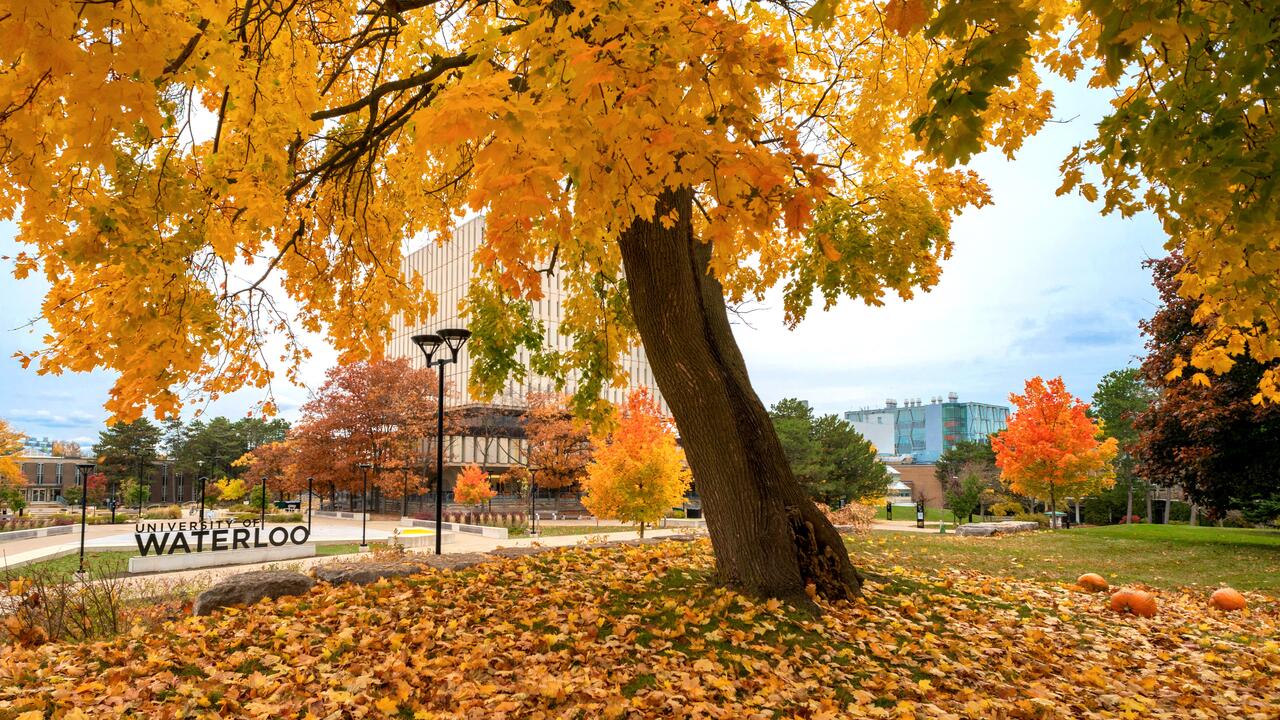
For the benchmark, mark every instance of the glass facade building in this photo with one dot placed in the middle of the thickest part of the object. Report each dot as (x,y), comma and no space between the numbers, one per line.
(925,431)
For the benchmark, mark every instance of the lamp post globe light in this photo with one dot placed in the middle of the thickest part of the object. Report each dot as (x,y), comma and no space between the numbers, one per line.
(454,339)
(84,469)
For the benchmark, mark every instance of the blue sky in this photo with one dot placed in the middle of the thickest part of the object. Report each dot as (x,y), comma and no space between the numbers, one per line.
(1037,285)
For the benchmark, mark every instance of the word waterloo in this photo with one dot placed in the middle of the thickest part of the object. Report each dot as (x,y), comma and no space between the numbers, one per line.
(161,538)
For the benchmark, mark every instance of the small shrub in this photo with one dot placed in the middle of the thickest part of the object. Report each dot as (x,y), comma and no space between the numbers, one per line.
(1235,519)
(172,512)
(1006,509)
(855,514)
(1043,520)
(292,517)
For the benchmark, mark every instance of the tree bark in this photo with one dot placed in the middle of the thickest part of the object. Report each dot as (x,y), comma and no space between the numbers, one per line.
(769,538)
(1128,518)
(1053,509)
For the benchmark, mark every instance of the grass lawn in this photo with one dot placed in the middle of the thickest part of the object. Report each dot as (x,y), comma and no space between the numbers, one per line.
(1158,555)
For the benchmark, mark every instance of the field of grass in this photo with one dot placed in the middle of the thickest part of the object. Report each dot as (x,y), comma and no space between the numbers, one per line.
(1158,555)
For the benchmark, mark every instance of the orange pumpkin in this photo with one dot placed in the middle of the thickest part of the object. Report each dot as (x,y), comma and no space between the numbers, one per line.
(1227,599)
(1142,604)
(1092,582)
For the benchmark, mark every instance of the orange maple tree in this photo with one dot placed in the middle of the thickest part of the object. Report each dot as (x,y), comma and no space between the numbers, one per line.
(639,471)
(473,487)
(275,461)
(1052,448)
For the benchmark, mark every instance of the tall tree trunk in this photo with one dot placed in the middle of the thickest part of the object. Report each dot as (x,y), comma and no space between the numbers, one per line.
(769,538)
(1128,517)
(1053,509)
(1150,517)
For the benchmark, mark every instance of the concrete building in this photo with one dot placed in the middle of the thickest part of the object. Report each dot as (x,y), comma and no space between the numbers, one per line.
(492,434)
(923,431)
(879,429)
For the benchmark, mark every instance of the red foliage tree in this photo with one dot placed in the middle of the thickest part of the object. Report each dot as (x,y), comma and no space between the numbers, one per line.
(1204,435)
(382,413)
(559,444)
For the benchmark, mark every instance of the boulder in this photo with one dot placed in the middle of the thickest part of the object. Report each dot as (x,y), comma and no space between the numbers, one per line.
(363,573)
(248,588)
(989,529)
(518,551)
(456,561)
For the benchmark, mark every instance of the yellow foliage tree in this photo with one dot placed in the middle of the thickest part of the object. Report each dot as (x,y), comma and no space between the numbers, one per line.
(658,157)
(230,489)
(10,447)
(638,472)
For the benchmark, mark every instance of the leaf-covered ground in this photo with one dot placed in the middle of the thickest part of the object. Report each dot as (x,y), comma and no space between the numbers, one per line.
(639,632)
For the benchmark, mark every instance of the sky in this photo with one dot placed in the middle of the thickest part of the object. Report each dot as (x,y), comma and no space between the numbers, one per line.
(1036,285)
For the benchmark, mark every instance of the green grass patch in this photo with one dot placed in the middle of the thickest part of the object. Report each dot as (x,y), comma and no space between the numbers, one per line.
(1158,555)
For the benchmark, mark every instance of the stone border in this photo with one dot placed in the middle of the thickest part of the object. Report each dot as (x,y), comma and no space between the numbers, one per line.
(11,535)
(482,530)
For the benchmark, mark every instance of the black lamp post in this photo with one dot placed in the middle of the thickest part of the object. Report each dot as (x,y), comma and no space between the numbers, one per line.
(84,469)
(263,521)
(364,506)
(310,495)
(454,339)
(200,508)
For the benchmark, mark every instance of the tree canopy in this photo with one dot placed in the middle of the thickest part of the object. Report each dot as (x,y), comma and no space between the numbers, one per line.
(638,471)
(155,149)
(1210,439)
(1051,449)
(829,458)
(1191,137)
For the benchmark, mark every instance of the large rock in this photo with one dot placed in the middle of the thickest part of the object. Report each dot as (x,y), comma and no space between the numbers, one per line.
(456,561)
(524,550)
(248,588)
(366,572)
(989,529)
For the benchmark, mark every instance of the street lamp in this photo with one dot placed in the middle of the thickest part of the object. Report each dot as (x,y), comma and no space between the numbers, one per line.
(310,494)
(200,508)
(263,521)
(84,469)
(454,339)
(364,506)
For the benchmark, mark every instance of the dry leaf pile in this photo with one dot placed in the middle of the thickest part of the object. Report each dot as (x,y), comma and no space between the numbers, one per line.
(639,632)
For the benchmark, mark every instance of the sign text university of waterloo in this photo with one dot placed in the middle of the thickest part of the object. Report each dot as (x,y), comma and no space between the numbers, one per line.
(162,538)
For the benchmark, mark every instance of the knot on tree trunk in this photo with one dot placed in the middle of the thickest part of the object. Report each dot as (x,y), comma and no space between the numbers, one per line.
(826,568)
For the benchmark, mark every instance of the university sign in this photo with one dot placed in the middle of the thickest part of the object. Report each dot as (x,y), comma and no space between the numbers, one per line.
(188,544)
